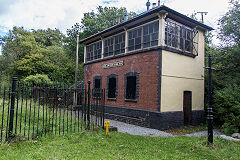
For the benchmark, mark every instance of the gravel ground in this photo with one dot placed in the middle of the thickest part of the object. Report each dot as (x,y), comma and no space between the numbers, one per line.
(137,130)
(216,133)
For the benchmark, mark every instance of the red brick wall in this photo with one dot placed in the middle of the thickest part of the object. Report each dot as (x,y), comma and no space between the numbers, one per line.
(146,64)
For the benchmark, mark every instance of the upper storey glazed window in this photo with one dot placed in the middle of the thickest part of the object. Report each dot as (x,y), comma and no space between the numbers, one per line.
(94,51)
(180,37)
(143,37)
(114,45)
(119,46)
(135,39)
(150,35)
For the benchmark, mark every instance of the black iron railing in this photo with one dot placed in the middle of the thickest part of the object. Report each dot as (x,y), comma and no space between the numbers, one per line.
(32,111)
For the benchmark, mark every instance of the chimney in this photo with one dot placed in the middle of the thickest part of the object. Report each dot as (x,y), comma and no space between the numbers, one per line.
(148,5)
(154,5)
(158,3)
(126,16)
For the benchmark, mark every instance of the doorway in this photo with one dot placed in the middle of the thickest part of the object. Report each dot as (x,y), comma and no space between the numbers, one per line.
(187,107)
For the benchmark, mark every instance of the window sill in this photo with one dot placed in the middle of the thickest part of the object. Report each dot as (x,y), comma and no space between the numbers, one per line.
(112,99)
(131,100)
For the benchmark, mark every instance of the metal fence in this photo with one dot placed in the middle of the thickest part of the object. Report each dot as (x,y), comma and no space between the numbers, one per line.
(32,111)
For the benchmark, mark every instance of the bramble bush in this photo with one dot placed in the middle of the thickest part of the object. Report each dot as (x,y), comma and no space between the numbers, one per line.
(38,79)
(228,108)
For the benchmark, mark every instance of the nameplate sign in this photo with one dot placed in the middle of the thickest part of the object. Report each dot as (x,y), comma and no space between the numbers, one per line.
(113,64)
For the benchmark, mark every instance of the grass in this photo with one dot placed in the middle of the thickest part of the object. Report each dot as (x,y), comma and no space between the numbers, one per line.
(96,145)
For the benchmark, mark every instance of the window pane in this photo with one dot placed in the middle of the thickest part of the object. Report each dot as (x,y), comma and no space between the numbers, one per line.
(130,35)
(131,87)
(131,42)
(105,51)
(116,39)
(150,28)
(146,38)
(187,45)
(139,32)
(145,30)
(119,40)
(154,43)
(181,43)
(117,46)
(112,88)
(97,83)
(156,27)
(138,41)
(138,47)
(108,47)
(154,36)
(97,87)
(123,45)
(134,33)
(99,53)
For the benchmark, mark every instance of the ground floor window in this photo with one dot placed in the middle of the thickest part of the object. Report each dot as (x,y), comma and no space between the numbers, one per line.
(112,86)
(97,85)
(131,85)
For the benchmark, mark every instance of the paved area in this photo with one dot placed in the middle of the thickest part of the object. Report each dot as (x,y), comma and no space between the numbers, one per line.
(137,130)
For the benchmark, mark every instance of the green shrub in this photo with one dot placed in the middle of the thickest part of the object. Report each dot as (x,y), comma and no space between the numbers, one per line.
(228,108)
(38,79)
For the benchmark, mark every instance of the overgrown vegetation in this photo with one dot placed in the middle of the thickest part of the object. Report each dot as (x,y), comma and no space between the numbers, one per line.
(96,145)
(226,78)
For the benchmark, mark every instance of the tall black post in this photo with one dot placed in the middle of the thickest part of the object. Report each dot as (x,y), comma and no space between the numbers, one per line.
(210,112)
(10,130)
(88,108)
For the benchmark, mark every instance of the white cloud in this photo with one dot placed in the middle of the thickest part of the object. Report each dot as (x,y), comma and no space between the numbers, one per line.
(44,14)
(62,14)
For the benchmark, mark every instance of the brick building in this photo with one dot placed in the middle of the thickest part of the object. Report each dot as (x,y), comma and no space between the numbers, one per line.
(152,67)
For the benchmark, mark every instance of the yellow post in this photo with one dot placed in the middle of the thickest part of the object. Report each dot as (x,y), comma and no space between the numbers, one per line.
(106,124)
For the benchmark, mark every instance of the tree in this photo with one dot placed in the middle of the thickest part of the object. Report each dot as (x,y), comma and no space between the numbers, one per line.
(226,78)
(48,37)
(27,53)
(104,18)
(230,25)
(18,43)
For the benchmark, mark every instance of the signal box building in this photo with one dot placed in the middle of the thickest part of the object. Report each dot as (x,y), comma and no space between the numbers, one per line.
(152,67)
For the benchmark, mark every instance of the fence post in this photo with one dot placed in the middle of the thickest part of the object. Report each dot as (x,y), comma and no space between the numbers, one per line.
(10,130)
(89,101)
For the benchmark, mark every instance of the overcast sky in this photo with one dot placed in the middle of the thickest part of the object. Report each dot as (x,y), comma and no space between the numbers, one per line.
(62,14)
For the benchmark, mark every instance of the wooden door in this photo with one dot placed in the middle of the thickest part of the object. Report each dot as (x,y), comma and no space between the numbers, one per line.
(187,107)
